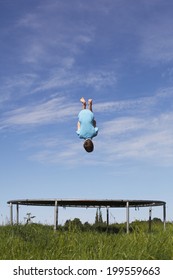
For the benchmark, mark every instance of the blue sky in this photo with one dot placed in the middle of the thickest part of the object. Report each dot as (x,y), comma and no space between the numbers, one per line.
(120,54)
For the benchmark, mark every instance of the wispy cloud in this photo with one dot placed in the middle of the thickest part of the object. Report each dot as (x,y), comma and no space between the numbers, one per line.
(141,137)
(140,106)
(29,20)
(16,88)
(100,79)
(51,35)
(60,107)
(60,57)
(118,142)
(157,39)
(133,136)
(51,111)
(64,78)
(153,147)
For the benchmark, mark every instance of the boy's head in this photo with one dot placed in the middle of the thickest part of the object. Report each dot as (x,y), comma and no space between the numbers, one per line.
(88,145)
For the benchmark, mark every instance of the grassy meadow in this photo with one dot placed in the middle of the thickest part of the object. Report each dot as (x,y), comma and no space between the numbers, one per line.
(40,242)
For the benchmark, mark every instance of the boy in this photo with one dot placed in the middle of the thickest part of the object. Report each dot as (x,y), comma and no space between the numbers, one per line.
(86,126)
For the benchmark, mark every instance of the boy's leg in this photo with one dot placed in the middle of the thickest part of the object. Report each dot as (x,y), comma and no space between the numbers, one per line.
(90,103)
(83,103)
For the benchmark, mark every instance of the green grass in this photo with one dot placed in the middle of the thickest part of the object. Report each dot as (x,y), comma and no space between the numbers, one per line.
(40,242)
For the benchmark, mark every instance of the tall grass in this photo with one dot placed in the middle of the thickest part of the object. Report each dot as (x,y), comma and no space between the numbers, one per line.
(41,242)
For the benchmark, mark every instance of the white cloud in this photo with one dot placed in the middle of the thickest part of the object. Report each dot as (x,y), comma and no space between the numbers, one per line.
(30,20)
(140,105)
(54,110)
(35,53)
(51,36)
(16,87)
(157,39)
(63,78)
(59,107)
(100,79)
(118,141)
(139,137)
(148,138)
(122,126)
(58,152)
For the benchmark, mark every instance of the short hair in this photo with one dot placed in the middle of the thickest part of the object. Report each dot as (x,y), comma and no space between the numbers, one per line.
(88,145)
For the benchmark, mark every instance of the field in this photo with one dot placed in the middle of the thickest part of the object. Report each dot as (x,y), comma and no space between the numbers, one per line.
(40,242)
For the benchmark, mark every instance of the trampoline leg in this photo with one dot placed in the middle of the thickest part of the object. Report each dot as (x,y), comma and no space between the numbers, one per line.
(150,211)
(127,216)
(107,212)
(56,216)
(17,214)
(164,216)
(11,213)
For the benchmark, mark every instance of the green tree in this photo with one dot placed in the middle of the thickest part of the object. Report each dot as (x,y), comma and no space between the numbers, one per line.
(98,217)
(73,224)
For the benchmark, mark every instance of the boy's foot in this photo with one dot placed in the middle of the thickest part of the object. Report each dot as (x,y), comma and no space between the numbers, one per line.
(90,101)
(83,100)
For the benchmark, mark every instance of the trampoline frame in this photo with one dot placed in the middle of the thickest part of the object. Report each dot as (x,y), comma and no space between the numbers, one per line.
(88,203)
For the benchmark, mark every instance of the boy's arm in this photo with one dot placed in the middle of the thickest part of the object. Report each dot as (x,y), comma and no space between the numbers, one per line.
(78,125)
(94,123)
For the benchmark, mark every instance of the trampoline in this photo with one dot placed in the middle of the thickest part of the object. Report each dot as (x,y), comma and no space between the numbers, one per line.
(88,203)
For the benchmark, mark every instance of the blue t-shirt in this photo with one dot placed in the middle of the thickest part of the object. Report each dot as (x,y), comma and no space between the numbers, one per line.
(87,129)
